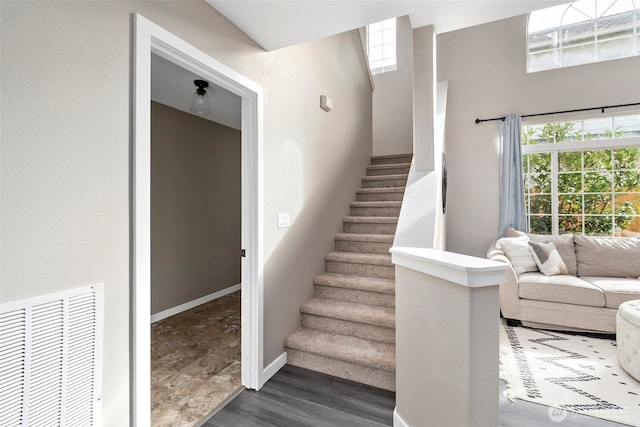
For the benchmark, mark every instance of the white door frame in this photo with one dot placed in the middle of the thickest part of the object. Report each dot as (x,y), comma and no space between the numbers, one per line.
(150,38)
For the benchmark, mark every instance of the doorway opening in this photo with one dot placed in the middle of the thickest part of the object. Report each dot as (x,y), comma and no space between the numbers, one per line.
(195,245)
(152,39)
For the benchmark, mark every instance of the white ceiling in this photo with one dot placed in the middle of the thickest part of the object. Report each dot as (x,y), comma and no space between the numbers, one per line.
(172,85)
(274,24)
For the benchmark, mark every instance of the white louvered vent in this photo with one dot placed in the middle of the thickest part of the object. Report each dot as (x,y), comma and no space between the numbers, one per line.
(50,359)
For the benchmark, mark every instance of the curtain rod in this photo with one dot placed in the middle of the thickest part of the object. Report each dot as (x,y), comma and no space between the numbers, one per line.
(561,112)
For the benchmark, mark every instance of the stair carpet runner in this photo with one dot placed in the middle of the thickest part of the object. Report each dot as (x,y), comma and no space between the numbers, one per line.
(348,328)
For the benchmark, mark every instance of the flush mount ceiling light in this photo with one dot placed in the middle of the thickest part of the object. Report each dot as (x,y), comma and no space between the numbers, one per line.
(200,103)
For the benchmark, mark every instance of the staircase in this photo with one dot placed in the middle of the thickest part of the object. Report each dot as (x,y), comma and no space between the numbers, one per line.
(348,328)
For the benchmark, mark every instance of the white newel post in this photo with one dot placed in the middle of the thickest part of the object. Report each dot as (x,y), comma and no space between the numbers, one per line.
(447,345)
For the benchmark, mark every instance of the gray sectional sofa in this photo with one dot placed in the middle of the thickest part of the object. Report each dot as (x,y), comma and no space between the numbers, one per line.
(601,273)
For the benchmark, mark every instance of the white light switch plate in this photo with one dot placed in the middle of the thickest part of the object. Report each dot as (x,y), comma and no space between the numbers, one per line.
(283,220)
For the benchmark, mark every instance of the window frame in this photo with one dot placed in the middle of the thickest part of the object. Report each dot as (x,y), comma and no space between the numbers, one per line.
(555,148)
(384,44)
(600,37)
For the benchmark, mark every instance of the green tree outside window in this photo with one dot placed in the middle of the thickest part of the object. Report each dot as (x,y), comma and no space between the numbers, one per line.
(597,191)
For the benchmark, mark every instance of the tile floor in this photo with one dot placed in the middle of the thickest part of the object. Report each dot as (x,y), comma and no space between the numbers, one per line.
(195,361)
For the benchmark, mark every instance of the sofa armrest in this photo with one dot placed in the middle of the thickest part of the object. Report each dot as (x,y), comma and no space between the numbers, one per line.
(509,295)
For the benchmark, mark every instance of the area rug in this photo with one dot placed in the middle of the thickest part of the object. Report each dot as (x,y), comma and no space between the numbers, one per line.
(566,372)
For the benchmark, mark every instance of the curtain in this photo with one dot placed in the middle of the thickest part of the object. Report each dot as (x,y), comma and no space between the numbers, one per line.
(512,207)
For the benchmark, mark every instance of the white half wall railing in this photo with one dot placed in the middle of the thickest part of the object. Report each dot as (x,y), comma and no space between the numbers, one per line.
(447,342)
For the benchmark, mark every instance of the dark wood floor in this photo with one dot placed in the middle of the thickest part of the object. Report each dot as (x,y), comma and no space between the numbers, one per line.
(296,397)
(299,397)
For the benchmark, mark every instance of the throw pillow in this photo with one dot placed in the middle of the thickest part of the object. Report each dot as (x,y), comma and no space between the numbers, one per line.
(565,246)
(517,250)
(512,232)
(608,256)
(547,258)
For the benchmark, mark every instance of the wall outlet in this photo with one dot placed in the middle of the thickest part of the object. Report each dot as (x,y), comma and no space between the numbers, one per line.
(283,220)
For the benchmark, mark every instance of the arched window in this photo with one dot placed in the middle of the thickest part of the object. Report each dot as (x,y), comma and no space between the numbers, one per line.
(582,32)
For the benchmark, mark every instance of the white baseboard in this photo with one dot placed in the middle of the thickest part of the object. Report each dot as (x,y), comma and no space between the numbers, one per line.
(273,368)
(191,304)
(397,419)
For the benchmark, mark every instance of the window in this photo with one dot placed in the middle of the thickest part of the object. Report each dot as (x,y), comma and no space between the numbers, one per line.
(381,46)
(582,32)
(583,176)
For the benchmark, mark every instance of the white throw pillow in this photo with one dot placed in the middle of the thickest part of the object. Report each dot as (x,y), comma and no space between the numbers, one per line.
(547,258)
(517,250)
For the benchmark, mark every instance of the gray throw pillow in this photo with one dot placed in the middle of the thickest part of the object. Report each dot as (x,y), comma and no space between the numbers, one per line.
(547,258)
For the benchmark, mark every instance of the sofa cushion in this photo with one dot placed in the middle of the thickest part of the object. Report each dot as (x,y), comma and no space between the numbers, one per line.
(565,246)
(517,250)
(607,256)
(561,288)
(616,289)
(547,258)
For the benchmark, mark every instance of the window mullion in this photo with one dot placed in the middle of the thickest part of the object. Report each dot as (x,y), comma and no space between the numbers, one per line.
(554,194)
(582,192)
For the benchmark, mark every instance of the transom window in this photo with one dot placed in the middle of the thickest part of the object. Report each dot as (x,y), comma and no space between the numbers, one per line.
(381,46)
(583,176)
(582,32)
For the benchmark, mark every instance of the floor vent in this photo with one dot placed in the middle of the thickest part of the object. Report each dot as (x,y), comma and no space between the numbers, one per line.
(50,359)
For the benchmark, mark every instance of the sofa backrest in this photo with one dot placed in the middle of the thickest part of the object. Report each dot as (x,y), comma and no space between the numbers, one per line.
(607,256)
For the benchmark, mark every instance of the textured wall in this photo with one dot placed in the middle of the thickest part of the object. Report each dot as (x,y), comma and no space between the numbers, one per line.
(65,173)
(195,207)
(486,69)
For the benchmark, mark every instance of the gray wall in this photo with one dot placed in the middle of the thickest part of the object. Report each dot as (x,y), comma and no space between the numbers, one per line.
(195,207)
(486,69)
(66,143)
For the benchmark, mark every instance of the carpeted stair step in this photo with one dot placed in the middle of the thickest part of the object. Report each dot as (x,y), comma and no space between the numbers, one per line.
(376,299)
(390,169)
(379,194)
(369,265)
(357,359)
(375,208)
(392,159)
(364,243)
(384,181)
(364,290)
(361,283)
(370,225)
(350,318)
(351,311)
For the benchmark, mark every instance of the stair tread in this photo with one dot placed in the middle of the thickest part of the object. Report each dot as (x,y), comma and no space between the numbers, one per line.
(376,203)
(351,349)
(384,177)
(361,237)
(391,156)
(359,258)
(351,311)
(390,166)
(362,283)
(371,219)
(380,190)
